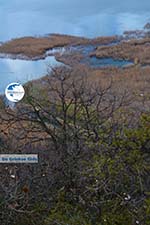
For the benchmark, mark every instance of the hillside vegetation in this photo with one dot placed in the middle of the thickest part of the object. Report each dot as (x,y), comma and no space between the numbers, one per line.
(94,153)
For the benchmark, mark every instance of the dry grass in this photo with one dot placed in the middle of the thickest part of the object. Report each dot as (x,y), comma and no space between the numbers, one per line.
(134,50)
(32,46)
(37,46)
(134,81)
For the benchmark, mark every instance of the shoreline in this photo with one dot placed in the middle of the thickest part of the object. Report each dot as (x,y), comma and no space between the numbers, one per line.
(131,46)
(34,48)
(71,51)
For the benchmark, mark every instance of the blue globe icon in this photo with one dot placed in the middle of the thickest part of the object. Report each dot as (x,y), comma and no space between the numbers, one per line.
(14,92)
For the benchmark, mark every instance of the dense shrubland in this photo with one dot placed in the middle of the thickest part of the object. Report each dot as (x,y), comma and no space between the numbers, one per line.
(93,148)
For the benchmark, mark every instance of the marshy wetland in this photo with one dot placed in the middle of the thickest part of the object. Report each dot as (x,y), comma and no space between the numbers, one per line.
(34,34)
(28,58)
(85,69)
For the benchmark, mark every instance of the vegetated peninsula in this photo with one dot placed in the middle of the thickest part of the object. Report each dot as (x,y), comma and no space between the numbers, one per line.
(36,47)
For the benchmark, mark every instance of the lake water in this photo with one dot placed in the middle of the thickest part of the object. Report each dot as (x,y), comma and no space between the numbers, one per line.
(88,18)
(105,62)
(22,70)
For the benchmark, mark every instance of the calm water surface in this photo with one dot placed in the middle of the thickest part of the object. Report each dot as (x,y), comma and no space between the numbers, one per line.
(89,18)
(22,71)
(77,17)
(105,62)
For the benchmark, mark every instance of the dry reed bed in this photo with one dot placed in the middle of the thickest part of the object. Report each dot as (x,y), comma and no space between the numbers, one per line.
(134,50)
(37,46)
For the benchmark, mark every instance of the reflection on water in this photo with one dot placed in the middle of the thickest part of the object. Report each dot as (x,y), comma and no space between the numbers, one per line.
(104,62)
(85,18)
(22,70)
